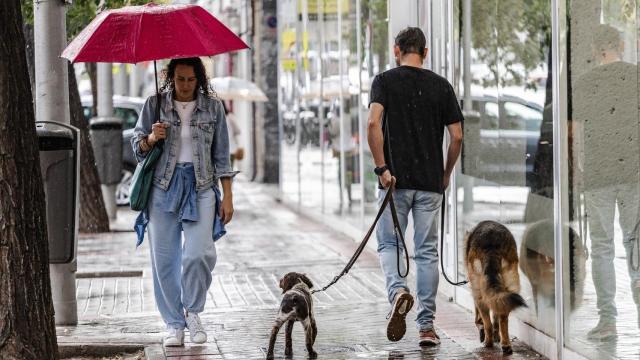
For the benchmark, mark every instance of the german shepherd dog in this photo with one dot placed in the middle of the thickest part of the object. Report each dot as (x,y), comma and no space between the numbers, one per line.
(492,264)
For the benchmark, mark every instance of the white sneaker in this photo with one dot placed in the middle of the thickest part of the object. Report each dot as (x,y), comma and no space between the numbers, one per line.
(196,330)
(175,337)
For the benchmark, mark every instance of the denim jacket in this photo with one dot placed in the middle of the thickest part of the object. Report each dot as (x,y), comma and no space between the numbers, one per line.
(210,140)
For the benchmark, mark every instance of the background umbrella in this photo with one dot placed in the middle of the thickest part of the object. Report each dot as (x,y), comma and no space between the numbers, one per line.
(234,88)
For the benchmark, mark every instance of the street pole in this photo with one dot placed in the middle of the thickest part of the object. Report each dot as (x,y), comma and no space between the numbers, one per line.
(105,110)
(467,181)
(52,104)
(122,81)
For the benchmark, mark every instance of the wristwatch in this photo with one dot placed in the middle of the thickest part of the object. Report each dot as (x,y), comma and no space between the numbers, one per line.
(380,170)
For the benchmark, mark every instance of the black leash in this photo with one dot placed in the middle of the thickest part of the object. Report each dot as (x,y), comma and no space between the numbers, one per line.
(388,200)
(442,216)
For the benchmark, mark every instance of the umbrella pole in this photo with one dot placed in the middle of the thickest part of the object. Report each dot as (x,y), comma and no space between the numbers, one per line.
(155,70)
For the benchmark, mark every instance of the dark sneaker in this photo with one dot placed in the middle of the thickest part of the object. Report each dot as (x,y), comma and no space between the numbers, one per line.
(604,331)
(396,327)
(429,338)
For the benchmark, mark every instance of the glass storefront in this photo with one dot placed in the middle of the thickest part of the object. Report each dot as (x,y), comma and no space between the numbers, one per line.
(505,172)
(330,52)
(603,124)
(550,94)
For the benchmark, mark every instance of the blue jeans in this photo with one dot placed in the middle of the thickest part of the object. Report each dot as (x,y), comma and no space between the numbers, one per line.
(601,204)
(181,271)
(425,206)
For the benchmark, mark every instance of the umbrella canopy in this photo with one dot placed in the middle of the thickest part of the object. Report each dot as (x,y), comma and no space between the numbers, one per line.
(134,34)
(233,88)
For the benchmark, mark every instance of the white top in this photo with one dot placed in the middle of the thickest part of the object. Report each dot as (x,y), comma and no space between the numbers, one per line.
(185,110)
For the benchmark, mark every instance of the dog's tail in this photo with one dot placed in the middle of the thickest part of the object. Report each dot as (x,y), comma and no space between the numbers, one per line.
(499,295)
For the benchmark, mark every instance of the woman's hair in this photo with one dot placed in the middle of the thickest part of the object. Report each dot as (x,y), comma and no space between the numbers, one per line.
(198,68)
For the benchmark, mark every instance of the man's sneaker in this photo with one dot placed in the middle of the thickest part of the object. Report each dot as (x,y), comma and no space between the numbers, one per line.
(402,303)
(196,330)
(604,331)
(429,338)
(175,337)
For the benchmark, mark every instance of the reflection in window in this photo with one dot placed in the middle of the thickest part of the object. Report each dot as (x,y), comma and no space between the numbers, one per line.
(521,117)
(604,189)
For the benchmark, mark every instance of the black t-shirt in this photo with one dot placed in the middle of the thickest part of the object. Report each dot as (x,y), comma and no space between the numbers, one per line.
(418,105)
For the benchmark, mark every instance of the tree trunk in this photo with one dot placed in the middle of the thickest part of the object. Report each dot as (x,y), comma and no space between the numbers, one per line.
(93,215)
(30,51)
(27,329)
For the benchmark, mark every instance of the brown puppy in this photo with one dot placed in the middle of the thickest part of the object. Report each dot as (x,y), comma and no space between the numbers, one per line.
(296,305)
(492,264)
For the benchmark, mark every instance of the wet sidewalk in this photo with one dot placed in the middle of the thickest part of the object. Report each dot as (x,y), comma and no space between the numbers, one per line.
(116,308)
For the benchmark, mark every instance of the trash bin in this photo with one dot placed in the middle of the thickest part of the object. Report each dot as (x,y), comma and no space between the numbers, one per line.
(60,167)
(106,139)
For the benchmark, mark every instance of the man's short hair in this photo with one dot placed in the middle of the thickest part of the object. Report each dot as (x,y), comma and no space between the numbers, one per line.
(606,38)
(411,41)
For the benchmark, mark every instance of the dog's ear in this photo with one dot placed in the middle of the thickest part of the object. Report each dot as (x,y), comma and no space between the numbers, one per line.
(306,280)
(287,282)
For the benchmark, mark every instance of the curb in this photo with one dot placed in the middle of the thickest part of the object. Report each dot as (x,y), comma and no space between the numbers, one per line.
(154,352)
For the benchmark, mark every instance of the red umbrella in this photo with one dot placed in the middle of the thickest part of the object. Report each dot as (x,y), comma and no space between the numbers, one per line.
(152,32)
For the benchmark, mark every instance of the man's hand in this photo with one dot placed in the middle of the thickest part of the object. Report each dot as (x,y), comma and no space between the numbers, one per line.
(445,181)
(226,209)
(386,179)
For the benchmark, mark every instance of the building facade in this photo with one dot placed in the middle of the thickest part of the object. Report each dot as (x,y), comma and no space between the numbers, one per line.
(550,95)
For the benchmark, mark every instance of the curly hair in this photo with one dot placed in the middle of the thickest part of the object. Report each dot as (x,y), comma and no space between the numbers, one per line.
(198,68)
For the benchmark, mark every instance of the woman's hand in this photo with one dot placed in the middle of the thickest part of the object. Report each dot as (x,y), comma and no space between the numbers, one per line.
(158,132)
(226,209)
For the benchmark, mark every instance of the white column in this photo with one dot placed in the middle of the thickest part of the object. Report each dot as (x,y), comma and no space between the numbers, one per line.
(52,104)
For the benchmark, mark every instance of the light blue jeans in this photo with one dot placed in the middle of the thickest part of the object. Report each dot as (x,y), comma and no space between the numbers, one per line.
(425,206)
(181,271)
(601,204)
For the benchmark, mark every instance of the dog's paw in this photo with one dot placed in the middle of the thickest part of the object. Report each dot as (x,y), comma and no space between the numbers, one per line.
(507,350)
(313,354)
(269,357)
(488,344)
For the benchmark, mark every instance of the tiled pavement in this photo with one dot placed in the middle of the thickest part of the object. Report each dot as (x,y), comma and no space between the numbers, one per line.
(265,240)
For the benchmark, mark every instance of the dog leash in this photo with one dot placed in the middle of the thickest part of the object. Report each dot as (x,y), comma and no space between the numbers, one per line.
(442,216)
(388,200)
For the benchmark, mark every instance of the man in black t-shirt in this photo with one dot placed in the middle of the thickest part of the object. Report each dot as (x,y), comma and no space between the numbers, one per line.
(409,110)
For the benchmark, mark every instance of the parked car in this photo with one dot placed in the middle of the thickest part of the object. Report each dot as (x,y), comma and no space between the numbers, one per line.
(128,109)
(501,139)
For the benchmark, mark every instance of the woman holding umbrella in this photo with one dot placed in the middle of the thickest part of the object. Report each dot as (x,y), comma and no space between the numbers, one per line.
(185,198)
(186,127)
